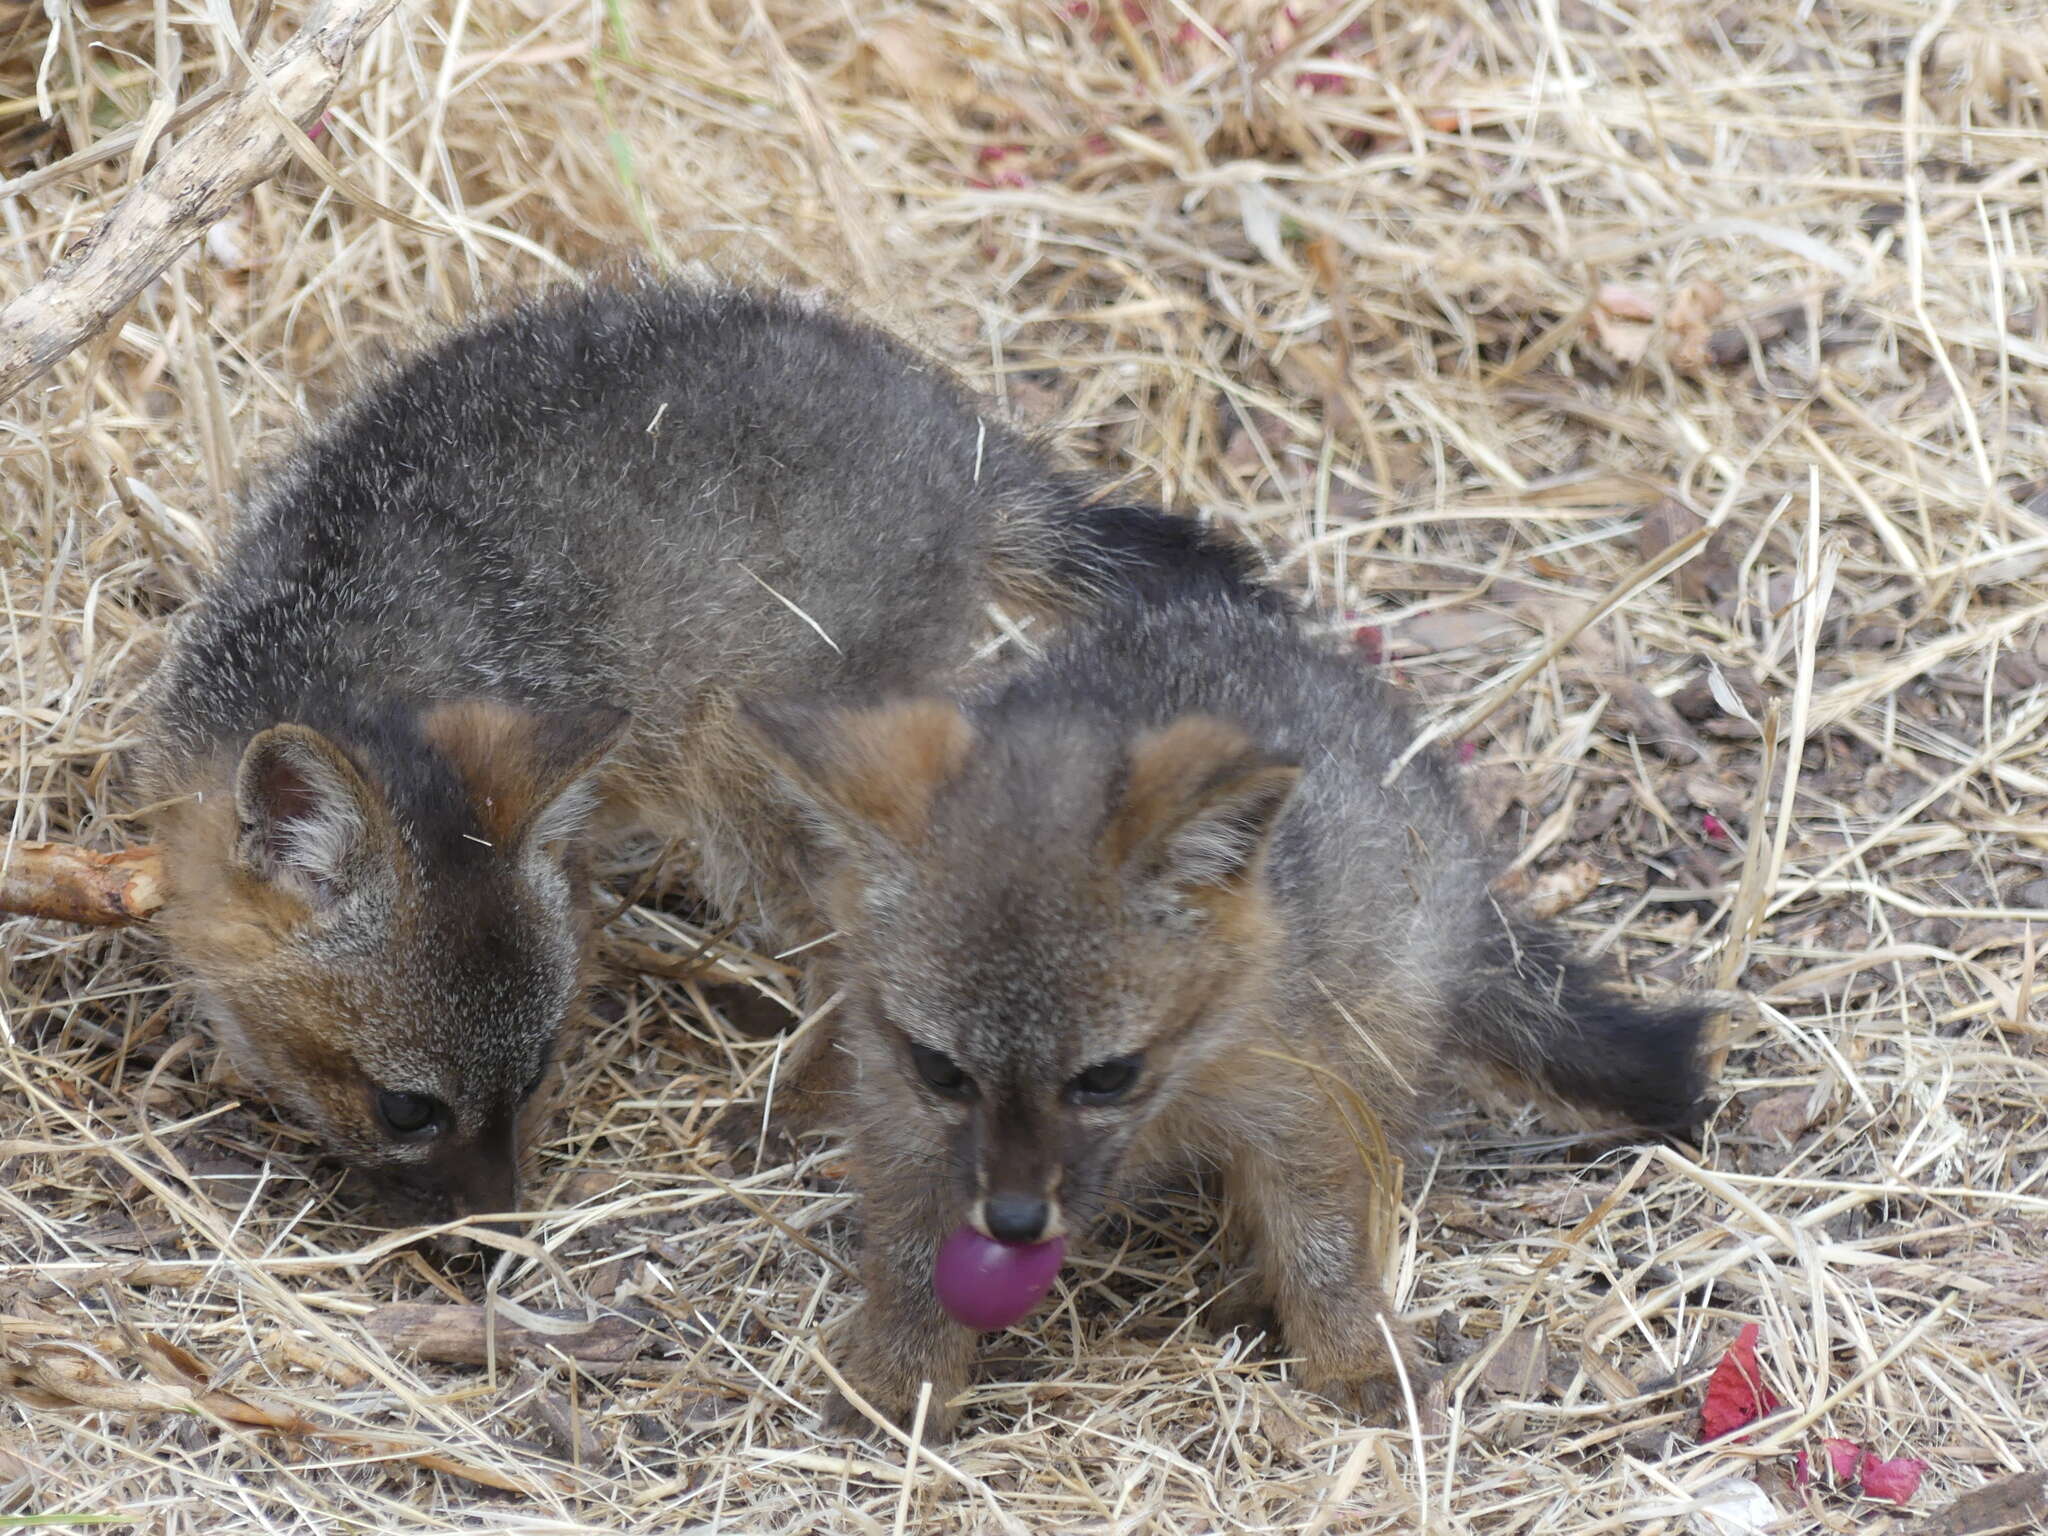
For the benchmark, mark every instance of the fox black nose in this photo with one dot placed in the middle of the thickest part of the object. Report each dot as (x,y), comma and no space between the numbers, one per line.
(1015,1218)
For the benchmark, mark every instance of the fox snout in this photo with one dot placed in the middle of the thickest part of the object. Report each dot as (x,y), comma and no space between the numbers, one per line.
(489,1190)
(477,1177)
(1019,1197)
(1017,1218)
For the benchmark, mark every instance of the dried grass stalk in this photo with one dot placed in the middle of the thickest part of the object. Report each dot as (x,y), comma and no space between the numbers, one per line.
(1357,281)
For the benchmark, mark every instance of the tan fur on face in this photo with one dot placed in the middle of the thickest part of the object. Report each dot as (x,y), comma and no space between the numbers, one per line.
(215,910)
(231,927)
(1169,768)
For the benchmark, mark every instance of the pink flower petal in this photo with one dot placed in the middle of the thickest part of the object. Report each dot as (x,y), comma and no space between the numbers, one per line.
(1736,1393)
(1894,1481)
(1844,1457)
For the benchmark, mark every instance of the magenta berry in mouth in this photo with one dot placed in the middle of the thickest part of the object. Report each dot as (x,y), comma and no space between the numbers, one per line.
(986,1285)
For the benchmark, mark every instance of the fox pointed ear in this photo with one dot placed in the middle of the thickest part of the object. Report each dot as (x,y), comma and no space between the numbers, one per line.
(1199,806)
(306,816)
(860,773)
(530,773)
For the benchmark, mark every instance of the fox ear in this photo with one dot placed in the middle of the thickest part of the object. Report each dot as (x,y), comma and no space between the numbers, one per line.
(569,750)
(529,773)
(1199,806)
(860,773)
(305,814)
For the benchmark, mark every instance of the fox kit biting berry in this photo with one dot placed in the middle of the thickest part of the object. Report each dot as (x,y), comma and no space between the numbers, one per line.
(519,583)
(1145,904)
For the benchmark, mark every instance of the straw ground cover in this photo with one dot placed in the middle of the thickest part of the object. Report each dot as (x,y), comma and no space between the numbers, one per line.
(1655,390)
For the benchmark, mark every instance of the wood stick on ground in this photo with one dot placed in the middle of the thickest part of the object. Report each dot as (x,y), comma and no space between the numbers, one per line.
(466,1335)
(64,883)
(201,178)
(77,885)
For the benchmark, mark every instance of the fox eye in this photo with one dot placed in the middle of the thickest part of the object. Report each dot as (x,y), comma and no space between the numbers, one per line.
(408,1114)
(1106,1081)
(942,1073)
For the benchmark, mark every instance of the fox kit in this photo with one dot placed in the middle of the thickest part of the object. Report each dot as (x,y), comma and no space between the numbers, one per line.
(518,584)
(1145,904)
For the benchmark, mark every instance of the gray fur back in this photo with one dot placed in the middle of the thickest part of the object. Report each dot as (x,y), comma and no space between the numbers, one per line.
(1377,882)
(622,496)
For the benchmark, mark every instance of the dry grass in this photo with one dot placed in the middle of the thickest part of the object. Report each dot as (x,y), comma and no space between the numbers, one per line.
(1435,323)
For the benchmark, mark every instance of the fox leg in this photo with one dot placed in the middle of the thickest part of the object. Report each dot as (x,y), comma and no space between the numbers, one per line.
(899,1339)
(812,1081)
(1309,1210)
(811,1085)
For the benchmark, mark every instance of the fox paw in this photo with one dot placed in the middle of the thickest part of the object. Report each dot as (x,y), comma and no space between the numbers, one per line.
(840,1415)
(887,1368)
(1375,1395)
(1374,1400)
(1244,1312)
(738,1134)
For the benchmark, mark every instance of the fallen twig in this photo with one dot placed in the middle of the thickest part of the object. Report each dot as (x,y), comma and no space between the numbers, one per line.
(54,1380)
(2011,1504)
(64,883)
(77,885)
(467,1335)
(232,150)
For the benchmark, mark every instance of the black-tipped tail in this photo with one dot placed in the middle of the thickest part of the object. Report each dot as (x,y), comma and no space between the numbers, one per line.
(1143,554)
(1537,1014)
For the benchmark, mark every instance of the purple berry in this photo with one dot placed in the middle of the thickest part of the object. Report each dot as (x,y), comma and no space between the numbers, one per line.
(986,1285)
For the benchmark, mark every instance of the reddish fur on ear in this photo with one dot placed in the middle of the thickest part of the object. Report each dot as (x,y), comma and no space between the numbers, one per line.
(1200,795)
(517,762)
(875,767)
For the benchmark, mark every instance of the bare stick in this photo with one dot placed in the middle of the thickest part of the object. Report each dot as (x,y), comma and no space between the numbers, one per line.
(468,1335)
(77,885)
(64,883)
(232,150)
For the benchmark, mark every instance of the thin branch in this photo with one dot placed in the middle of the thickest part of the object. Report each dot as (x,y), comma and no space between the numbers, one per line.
(232,150)
(76,885)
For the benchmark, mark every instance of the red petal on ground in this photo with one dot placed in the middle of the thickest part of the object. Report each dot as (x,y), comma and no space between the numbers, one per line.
(1844,1457)
(1896,1480)
(1736,1394)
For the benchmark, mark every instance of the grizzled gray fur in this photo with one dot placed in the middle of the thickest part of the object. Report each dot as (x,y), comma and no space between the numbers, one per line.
(521,579)
(1145,903)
